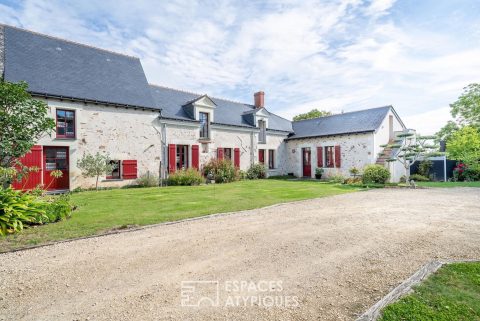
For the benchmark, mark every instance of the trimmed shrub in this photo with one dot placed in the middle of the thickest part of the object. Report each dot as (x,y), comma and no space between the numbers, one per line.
(222,170)
(336,178)
(419,178)
(57,208)
(375,174)
(147,180)
(257,171)
(186,177)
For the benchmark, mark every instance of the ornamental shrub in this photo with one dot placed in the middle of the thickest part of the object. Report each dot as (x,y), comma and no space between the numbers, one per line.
(257,171)
(185,177)
(375,174)
(222,170)
(419,178)
(147,180)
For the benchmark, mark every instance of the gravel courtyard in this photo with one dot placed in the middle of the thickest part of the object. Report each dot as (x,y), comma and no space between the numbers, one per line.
(335,256)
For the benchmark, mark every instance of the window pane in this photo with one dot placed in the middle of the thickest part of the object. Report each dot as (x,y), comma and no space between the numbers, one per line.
(70,114)
(60,113)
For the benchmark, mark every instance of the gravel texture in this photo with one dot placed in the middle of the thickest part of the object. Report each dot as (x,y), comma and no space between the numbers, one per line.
(335,256)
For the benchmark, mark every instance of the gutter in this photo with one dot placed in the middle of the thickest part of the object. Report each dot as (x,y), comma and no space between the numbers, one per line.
(329,135)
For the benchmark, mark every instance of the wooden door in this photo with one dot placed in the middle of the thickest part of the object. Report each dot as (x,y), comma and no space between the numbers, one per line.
(56,158)
(306,161)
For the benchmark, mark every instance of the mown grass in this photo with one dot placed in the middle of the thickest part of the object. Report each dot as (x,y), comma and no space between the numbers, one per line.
(102,211)
(449,184)
(452,293)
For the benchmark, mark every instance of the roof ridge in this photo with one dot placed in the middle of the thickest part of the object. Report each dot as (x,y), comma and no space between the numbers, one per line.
(68,41)
(193,93)
(348,112)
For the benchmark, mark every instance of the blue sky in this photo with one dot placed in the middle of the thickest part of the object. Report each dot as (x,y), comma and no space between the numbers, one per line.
(335,55)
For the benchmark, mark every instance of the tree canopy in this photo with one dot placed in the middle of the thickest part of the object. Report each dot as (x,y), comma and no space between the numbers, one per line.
(23,120)
(464,145)
(314,113)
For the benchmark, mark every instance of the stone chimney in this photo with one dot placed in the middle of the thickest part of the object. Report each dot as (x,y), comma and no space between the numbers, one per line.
(259,98)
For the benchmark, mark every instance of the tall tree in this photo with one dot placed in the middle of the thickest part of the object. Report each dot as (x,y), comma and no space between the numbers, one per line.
(23,120)
(467,107)
(314,113)
(464,145)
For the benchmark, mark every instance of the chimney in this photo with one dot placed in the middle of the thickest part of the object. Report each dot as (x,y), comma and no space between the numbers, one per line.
(259,98)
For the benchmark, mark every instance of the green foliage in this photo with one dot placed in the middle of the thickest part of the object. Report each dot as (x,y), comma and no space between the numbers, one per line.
(354,171)
(23,120)
(7,174)
(336,178)
(257,171)
(447,131)
(419,178)
(464,145)
(314,113)
(95,165)
(452,293)
(467,107)
(319,171)
(222,170)
(58,208)
(375,174)
(147,180)
(424,167)
(18,209)
(185,177)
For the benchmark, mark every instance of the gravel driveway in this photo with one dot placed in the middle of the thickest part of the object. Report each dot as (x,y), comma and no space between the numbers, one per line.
(323,259)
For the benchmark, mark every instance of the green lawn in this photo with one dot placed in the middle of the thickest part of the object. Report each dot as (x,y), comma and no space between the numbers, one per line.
(449,184)
(452,293)
(102,211)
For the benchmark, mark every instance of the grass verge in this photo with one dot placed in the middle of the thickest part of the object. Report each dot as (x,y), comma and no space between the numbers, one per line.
(449,184)
(452,293)
(103,211)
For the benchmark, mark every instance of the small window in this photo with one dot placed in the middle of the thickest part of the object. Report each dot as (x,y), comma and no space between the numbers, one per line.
(271,159)
(182,156)
(227,154)
(262,136)
(329,159)
(115,173)
(261,156)
(65,123)
(204,123)
(204,148)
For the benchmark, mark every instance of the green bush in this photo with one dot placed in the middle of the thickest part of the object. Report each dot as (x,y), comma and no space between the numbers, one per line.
(375,174)
(147,180)
(336,178)
(472,174)
(18,209)
(185,177)
(222,170)
(58,208)
(424,167)
(419,178)
(257,171)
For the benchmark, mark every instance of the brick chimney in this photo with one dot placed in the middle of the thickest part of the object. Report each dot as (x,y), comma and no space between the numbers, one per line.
(259,98)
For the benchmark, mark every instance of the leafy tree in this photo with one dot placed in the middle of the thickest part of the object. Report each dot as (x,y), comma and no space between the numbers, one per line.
(95,166)
(464,145)
(412,147)
(447,131)
(23,121)
(314,113)
(467,107)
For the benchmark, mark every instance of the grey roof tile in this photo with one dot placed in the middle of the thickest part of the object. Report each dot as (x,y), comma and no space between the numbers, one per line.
(367,120)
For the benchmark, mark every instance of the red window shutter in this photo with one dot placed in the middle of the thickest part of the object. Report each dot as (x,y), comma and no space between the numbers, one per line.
(261,156)
(319,156)
(220,153)
(129,169)
(338,156)
(172,158)
(30,159)
(236,157)
(195,156)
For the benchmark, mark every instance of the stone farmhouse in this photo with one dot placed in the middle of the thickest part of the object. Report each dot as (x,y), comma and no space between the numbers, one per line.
(102,101)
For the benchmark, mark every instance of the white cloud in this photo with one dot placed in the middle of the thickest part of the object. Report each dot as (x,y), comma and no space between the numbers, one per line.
(335,55)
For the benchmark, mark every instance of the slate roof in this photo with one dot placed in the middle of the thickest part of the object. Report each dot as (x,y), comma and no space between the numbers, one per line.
(226,112)
(62,68)
(362,121)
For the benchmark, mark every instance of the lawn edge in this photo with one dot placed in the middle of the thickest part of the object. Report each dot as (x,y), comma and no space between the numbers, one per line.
(185,220)
(404,288)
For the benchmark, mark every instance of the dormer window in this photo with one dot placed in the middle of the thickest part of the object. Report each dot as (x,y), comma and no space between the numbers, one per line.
(204,125)
(262,135)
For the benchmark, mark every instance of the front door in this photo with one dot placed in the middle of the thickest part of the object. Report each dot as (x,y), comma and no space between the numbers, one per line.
(55,158)
(306,161)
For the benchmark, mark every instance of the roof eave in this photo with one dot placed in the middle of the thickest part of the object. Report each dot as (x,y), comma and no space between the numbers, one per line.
(335,134)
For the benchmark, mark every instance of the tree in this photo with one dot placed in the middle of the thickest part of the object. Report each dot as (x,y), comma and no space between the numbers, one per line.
(314,113)
(447,131)
(467,107)
(412,147)
(95,166)
(464,145)
(23,121)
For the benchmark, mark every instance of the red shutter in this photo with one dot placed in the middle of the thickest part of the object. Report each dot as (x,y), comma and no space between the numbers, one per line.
(30,159)
(261,156)
(129,169)
(319,156)
(172,158)
(220,153)
(195,157)
(338,156)
(236,157)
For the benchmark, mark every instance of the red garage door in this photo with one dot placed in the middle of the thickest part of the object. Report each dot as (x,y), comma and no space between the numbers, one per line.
(32,158)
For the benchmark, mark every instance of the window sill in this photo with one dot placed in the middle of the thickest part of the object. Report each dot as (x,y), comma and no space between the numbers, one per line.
(65,138)
(205,139)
